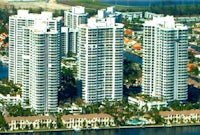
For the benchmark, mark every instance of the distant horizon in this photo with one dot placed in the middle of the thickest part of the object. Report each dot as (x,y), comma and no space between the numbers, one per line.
(150,2)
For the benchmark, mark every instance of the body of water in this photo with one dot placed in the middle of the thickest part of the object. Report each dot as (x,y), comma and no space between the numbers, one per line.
(150,2)
(133,57)
(3,71)
(191,130)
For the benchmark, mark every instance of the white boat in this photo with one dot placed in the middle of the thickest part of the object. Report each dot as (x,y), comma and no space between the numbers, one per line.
(95,128)
(76,129)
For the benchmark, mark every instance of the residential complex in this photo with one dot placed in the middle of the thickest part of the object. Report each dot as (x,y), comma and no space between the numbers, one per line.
(34,58)
(181,117)
(87,121)
(31,122)
(68,121)
(165,59)
(100,63)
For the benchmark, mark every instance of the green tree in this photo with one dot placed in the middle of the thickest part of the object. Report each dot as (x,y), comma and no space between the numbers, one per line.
(68,86)
(176,105)
(3,124)
(17,110)
(194,71)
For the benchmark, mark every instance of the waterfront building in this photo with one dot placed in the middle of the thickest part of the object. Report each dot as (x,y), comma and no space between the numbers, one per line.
(30,122)
(73,18)
(87,121)
(165,58)
(181,117)
(100,59)
(34,57)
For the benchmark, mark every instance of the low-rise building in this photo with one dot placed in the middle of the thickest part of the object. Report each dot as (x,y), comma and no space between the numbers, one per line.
(188,19)
(145,104)
(87,121)
(73,109)
(31,122)
(150,15)
(8,99)
(132,15)
(179,117)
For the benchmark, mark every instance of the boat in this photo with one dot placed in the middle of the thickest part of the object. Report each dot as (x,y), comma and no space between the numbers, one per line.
(76,129)
(95,128)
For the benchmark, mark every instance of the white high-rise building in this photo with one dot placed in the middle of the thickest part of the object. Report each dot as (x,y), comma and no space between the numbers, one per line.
(73,18)
(24,66)
(41,55)
(165,59)
(100,60)
(16,23)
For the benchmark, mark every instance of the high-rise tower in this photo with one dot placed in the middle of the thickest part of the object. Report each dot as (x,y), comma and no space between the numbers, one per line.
(165,59)
(41,55)
(34,57)
(100,59)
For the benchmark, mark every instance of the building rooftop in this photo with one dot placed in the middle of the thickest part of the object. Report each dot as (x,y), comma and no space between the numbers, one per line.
(185,112)
(24,14)
(167,22)
(29,118)
(87,116)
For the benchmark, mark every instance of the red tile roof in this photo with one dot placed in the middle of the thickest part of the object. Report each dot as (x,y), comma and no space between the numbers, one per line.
(87,116)
(185,112)
(29,118)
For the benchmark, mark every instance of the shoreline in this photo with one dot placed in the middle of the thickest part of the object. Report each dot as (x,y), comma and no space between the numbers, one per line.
(104,128)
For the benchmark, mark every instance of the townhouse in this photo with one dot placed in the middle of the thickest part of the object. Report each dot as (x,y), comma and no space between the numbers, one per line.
(31,122)
(180,117)
(87,121)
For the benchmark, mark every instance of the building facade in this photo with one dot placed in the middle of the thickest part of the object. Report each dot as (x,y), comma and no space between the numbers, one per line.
(16,24)
(34,57)
(31,122)
(100,60)
(165,59)
(181,117)
(41,62)
(87,121)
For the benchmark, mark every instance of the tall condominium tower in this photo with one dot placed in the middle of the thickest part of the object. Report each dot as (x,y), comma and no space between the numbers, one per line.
(165,59)
(16,23)
(73,18)
(41,62)
(100,60)
(27,65)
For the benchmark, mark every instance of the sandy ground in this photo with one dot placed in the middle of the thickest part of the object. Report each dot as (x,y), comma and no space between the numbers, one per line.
(48,5)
